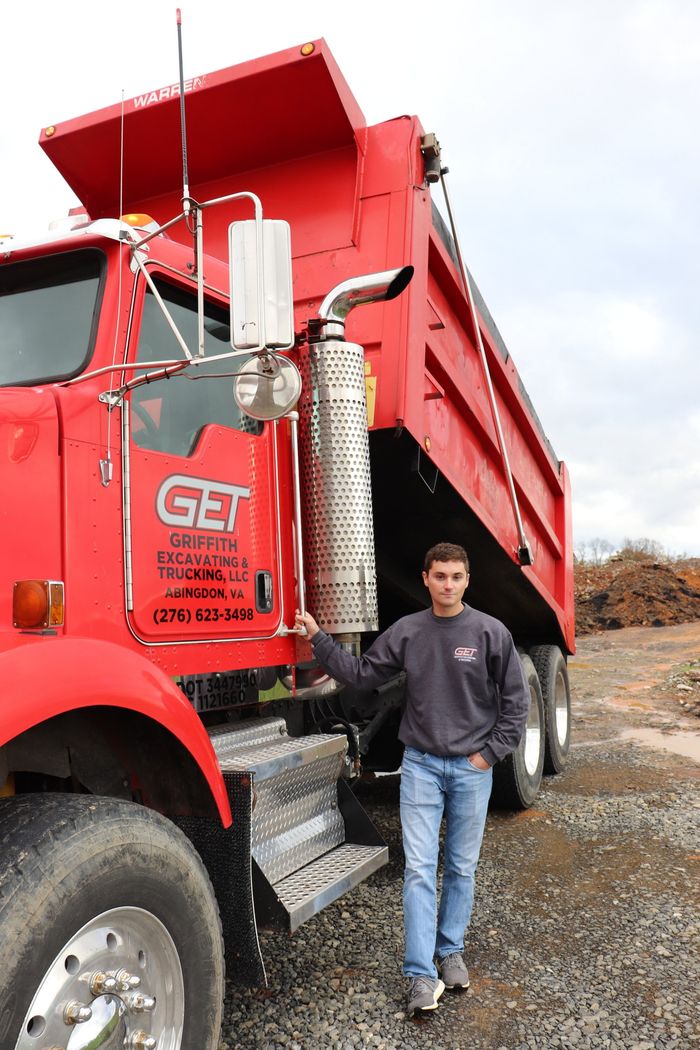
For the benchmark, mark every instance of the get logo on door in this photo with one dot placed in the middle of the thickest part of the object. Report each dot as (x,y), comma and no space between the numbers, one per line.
(198,503)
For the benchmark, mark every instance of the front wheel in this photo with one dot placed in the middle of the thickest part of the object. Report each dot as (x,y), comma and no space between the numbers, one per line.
(109,930)
(518,776)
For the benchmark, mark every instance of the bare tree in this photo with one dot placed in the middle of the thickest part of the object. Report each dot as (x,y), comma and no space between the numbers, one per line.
(580,550)
(600,549)
(643,547)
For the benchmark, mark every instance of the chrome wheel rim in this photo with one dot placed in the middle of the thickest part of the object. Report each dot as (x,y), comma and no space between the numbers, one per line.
(532,738)
(561,709)
(117,983)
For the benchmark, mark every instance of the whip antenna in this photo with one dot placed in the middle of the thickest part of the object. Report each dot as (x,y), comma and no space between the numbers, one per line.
(187,203)
(185,176)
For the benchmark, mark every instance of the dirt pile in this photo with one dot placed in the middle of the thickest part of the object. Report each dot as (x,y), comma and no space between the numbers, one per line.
(630,592)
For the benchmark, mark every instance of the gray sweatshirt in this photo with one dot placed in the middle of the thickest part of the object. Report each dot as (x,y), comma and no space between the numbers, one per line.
(465,688)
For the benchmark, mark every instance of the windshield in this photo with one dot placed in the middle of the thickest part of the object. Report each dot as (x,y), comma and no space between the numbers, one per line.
(48,316)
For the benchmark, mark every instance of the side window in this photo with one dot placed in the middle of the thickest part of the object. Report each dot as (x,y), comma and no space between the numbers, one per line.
(168,415)
(49,308)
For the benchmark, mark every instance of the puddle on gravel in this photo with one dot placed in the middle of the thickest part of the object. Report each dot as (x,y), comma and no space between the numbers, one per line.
(605,779)
(686,743)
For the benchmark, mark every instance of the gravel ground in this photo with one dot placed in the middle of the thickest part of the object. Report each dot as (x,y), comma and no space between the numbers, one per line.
(585,930)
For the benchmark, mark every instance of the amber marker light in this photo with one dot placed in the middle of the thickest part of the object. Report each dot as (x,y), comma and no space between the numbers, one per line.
(56,613)
(307,49)
(37,604)
(51,130)
(138,218)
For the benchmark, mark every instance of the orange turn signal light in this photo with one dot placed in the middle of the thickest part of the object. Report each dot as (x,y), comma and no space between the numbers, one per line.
(138,219)
(37,603)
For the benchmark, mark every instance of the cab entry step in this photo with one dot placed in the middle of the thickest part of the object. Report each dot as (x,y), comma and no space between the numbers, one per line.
(310,889)
(311,841)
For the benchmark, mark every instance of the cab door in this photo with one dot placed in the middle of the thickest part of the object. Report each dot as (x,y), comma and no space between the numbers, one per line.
(203,520)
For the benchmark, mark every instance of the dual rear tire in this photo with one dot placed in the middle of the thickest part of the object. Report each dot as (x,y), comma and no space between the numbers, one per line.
(544,745)
(550,666)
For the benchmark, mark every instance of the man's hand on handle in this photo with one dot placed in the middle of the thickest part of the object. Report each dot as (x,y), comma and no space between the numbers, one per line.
(306,620)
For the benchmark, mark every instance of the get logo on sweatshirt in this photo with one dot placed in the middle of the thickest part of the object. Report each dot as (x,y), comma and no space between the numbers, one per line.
(465,655)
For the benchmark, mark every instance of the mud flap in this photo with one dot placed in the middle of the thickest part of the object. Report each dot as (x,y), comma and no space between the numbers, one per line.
(227,853)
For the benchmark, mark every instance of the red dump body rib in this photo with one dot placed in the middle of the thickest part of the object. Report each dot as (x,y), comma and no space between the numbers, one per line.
(288,128)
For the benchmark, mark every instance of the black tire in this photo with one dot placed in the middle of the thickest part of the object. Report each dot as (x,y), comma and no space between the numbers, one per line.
(68,860)
(550,665)
(517,777)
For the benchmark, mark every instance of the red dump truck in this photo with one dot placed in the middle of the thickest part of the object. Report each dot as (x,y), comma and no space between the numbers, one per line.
(275,390)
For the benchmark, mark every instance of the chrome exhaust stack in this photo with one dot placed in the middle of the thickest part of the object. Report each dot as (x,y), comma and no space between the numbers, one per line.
(371,288)
(339,558)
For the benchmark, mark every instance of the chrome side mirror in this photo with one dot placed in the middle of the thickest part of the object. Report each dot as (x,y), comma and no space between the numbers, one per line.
(260,268)
(267,387)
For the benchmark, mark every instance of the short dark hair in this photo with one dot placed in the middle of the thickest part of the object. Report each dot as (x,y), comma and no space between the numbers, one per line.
(445,552)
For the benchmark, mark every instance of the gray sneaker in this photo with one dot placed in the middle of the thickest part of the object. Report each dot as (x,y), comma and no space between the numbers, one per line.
(423,994)
(454,972)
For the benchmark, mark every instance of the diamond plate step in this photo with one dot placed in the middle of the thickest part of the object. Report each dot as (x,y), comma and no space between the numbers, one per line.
(310,889)
(295,786)
(265,749)
(303,813)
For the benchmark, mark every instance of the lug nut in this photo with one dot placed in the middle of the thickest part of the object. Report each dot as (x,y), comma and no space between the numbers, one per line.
(127,981)
(76,1013)
(139,1002)
(102,983)
(142,1041)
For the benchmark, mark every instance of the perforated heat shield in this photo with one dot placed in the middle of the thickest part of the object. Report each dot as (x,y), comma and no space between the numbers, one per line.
(341,584)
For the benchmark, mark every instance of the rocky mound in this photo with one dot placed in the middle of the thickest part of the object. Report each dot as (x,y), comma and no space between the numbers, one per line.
(683,684)
(636,592)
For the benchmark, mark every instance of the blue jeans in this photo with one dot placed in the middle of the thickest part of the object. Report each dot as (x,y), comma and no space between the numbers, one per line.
(430,787)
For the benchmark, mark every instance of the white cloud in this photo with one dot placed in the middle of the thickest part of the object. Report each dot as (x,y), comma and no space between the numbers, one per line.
(615,383)
(634,332)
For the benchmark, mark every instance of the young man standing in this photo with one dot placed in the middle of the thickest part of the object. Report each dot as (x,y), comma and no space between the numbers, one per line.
(466,707)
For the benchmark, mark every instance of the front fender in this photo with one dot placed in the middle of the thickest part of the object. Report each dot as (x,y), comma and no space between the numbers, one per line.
(50,676)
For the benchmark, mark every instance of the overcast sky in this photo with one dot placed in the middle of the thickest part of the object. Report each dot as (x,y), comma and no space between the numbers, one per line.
(571,133)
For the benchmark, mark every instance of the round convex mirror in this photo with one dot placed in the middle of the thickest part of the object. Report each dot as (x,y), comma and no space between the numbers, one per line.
(267,386)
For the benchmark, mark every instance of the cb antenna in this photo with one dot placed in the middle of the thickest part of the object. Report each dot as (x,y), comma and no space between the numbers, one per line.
(183,129)
(189,206)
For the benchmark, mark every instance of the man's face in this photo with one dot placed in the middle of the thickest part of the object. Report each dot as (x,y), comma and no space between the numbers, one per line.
(446,582)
